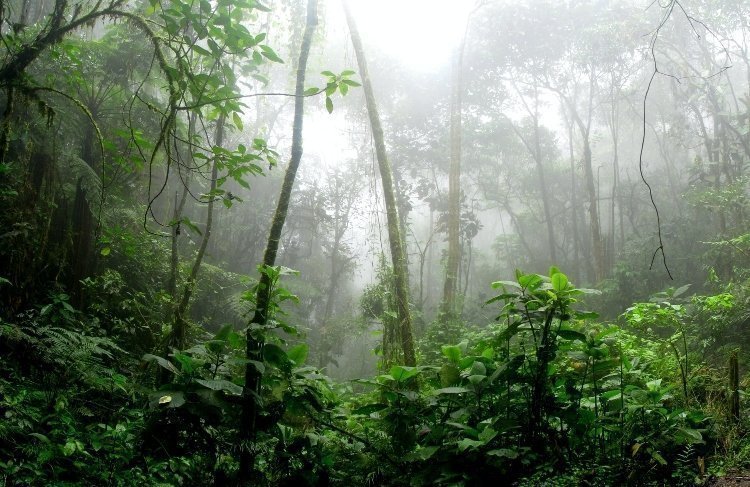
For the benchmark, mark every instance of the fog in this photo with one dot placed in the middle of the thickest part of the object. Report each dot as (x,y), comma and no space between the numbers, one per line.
(357,242)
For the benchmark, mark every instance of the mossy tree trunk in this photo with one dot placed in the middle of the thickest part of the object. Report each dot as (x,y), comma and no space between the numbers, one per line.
(398,254)
(255,341)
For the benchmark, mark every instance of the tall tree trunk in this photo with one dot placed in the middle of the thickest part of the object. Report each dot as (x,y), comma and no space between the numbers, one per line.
(255,342)
(398,255)
(454,190)
(174,258)
(616,198)
(179,325)
(596,234)
(574,203)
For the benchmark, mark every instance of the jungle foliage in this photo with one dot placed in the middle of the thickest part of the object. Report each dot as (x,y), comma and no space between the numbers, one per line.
(162,325)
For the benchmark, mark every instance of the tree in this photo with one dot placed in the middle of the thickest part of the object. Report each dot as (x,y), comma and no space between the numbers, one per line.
(398,254)
(259,321)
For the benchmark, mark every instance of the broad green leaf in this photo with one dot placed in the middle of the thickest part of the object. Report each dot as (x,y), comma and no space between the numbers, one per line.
(498,284)
(368,409)
(423,453)
(451,352)
(467,443)
(298,354)
(221,385)
(275,355)
(329,104)
(402,373)
(164,363)
(559,282)
(450,390)
(568,334)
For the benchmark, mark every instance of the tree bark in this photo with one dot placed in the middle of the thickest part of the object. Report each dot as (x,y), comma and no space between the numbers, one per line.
(454,190)
(255,342)
(398,255)
(179,324)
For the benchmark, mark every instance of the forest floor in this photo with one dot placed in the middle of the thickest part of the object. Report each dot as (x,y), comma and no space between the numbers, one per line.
(737,480)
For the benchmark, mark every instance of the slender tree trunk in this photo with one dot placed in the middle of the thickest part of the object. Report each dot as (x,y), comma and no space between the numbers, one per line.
(398,254)
(179,324)
(596,234)
(574,204)
(255,342)
(174,258)
(454,191)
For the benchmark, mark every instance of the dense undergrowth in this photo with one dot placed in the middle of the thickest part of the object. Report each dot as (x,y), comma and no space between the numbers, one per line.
(136,350)
(545,393)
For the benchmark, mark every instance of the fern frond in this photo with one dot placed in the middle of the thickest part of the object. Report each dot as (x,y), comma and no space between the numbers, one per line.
(73,168)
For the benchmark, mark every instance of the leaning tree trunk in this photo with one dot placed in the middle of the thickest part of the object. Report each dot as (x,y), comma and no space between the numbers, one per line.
(255,342)
(398,255)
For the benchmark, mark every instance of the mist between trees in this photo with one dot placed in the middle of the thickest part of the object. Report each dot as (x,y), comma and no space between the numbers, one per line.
(325,243)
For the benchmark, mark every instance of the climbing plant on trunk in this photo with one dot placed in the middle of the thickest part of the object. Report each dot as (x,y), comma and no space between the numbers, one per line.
(398,254)
(259,321)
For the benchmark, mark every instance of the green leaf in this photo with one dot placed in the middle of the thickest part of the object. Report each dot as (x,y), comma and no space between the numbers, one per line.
(201,50)
(105,251)
(690,435)
(586,315)
(368,409)
(186,221)
(402,373)
(172,399)
(298,354)
(559,282)
(221,385)
(40,437)
(275,355)
(237,121)
(311,91)
(423,453)
(450,390)
(449,375)
(498,284)
(269,54)
(329,104)
(467,443)
(69,448)
(530,281)
(451,352)
(568,334)
(680,290)
(164,363)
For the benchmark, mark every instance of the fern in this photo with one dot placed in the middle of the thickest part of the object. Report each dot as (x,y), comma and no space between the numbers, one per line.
(71,353)
(74,169)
